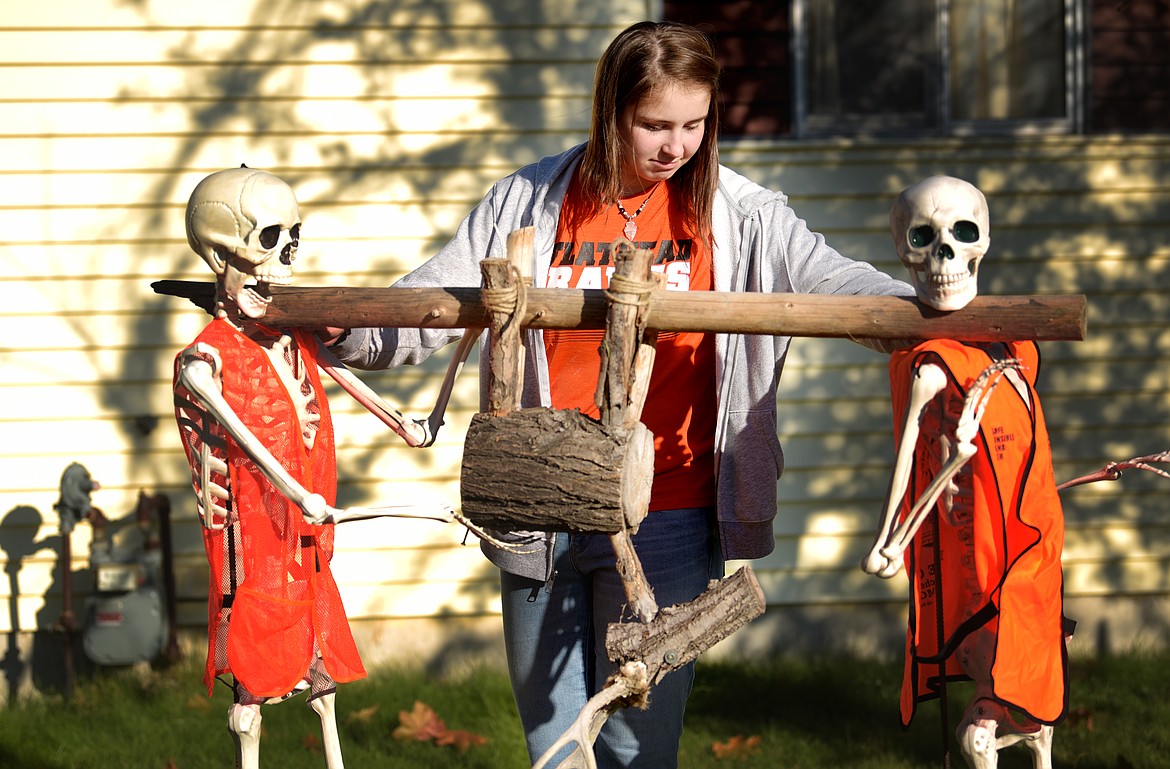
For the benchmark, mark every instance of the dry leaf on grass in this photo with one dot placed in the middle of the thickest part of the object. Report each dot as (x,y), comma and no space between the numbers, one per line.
(363,716)
(737,747)
(419,724)
(461,739)
(423,724)
(198,702)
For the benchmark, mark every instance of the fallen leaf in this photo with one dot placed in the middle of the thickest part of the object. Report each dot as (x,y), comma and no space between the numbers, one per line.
(170,764)
(736,747)
(419,724)
(363,716)
(311,743)
(198,702)
(460,739)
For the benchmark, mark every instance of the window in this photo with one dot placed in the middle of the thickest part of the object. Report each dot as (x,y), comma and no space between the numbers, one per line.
(946,66)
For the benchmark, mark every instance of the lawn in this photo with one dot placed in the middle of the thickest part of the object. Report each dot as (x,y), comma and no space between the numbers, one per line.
(806,714)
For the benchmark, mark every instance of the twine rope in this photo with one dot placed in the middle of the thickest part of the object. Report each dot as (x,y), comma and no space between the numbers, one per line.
(506,299)
(630,291)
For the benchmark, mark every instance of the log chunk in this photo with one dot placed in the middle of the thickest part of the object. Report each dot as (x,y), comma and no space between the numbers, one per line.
(679,634)
(555,470)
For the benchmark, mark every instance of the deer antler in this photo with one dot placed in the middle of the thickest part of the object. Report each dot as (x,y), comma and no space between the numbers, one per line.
(1112,471)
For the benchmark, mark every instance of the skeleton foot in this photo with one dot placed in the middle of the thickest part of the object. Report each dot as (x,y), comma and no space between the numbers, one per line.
(244,724)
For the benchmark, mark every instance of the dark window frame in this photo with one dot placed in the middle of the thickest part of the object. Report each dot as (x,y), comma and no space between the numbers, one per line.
(937,118)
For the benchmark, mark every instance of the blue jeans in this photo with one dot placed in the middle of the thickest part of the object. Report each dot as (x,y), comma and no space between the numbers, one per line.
(554,635)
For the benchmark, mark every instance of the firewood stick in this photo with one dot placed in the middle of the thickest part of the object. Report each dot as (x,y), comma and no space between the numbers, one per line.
(622,337)
(503,384)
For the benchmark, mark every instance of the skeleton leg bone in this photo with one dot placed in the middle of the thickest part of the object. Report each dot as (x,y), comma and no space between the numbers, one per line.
(980,742)
(323,705)
(244,724)
(988,726)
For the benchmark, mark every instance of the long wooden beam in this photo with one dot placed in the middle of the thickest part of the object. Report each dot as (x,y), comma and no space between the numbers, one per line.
(1058,317)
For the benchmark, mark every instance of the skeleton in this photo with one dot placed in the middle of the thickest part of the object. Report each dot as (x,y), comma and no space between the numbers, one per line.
(256,428)
(963,433)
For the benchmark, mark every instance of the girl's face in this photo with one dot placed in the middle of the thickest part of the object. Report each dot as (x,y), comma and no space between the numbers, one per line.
(660,133)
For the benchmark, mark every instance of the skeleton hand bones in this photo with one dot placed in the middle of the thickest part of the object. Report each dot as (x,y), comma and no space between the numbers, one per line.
(885,557)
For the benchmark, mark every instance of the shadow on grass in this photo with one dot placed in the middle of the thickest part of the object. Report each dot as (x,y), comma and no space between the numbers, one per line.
(844,713)
(827,712)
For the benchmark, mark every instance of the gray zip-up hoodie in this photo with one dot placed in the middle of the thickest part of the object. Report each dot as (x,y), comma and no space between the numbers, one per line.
(760,245)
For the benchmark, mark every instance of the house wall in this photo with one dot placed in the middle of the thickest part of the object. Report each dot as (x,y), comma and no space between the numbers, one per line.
(390,120)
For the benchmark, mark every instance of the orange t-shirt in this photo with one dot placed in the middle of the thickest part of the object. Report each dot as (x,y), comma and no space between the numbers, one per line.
(680,404)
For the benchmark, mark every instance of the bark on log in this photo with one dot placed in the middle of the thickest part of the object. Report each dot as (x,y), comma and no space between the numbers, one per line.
(680,633)
(555,470)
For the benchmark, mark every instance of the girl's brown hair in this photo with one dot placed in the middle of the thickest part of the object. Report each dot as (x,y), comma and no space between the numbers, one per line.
(643,57)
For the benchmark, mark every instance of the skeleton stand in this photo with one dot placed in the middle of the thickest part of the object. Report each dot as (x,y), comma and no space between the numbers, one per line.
(602,470)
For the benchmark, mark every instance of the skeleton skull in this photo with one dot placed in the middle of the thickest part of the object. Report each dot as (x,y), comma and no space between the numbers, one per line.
(941,231)
(246,225)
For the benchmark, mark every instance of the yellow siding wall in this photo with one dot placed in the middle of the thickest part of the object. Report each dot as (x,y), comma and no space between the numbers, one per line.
(390,119)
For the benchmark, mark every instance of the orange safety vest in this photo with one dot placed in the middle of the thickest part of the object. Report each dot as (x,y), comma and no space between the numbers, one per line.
(1001,569)
(272,600)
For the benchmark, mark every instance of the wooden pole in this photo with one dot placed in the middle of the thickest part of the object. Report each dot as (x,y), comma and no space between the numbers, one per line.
(504,381)
(1057,317)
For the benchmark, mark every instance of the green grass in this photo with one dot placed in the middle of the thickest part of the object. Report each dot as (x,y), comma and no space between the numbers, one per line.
(809,714)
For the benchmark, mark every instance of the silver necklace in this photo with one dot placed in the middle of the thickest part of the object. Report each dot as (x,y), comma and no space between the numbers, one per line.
(631,229)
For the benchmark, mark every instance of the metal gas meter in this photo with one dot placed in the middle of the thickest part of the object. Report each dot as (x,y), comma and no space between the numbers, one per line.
(127,618)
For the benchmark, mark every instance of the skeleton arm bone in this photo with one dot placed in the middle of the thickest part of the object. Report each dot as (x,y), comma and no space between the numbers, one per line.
(416,432)
(412,431)
(967,429)
(199,377)
(435,420)
(929,381)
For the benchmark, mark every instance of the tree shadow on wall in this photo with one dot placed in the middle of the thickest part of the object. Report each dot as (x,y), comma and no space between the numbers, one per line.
(255,96)
(257,80)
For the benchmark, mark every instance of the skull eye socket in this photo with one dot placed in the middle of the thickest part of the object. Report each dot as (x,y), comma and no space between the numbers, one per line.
(269,236)
(295,234)
(922,235)
(966,232)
